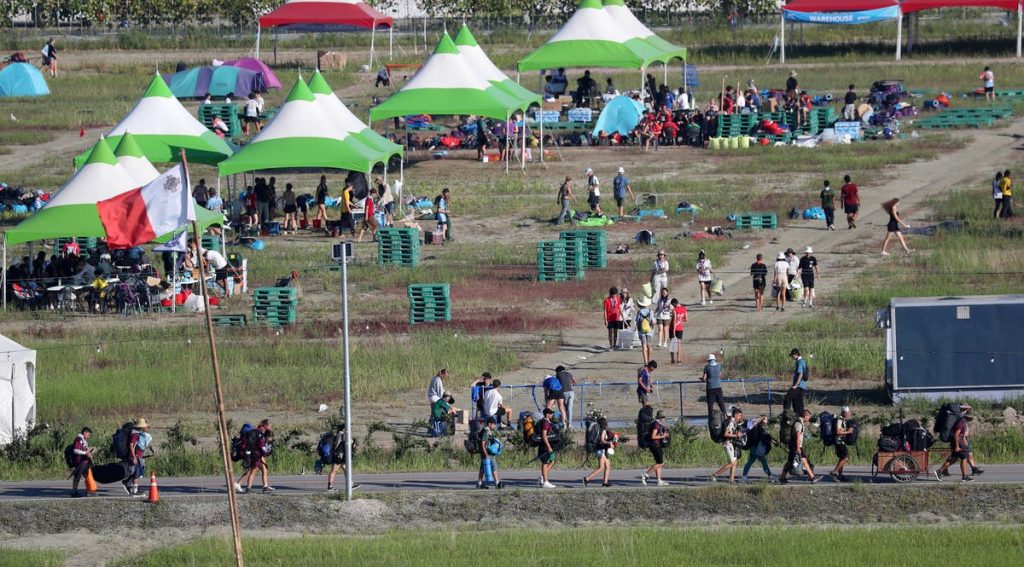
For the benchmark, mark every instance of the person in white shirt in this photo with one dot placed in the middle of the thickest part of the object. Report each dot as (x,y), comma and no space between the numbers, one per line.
(494,405)
(220,266)
(436,389)
(781,282)
(252,115)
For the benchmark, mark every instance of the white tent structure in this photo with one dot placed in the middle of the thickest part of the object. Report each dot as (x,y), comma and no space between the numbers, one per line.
(17,389)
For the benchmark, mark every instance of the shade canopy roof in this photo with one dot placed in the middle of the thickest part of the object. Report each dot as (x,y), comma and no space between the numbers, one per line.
(477,60)
(327,12)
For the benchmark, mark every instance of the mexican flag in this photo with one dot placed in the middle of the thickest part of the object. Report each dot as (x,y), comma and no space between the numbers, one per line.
(140,215)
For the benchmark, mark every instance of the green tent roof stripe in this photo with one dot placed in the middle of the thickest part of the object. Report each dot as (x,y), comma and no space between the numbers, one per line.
(300,92)
(614,2)
(318,85)
(446,45)
(158,88)
(465,37)
(80,220)
(101,153)
(127,147)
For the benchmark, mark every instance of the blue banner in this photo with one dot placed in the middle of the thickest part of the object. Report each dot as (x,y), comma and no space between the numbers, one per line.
(844,18)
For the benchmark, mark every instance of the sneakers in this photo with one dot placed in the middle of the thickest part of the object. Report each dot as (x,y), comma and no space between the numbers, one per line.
(607,485)
(702,302)
(976,471)
(331,488)
(834,475)
(713,478)
(76,494)
(938,478)
(711,302)
(773,479)
(268,489)
(498,485)
(643,479)
(134,491)
(547,485)
(239,489)
(662,483)
(127,489)
(480,484)
(746,480)
(967,479)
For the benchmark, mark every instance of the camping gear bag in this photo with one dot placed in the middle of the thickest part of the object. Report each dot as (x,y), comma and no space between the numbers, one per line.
(111,473)
(886,443)
(945,420)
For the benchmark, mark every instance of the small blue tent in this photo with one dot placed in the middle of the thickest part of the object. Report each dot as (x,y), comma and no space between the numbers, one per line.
(621,115)
(22,79)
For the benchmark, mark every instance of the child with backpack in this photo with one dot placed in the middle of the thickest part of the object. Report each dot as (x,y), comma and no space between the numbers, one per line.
(490,448)
(645,327)
(601,443)
(657,440)
(78,457)
(545,450)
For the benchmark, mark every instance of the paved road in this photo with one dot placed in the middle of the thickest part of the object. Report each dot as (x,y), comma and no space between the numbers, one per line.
(563,479)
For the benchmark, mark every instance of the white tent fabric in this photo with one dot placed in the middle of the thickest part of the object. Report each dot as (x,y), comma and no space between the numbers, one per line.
(17,389)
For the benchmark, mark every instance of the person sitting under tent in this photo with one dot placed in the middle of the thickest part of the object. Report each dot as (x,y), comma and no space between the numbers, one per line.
(559,82)
(383,78)
(585,86)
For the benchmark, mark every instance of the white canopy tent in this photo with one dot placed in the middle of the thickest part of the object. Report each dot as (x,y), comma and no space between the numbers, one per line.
(17,389)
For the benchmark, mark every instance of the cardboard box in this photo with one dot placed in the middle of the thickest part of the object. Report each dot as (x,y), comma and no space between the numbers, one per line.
(461,420)
(331,60)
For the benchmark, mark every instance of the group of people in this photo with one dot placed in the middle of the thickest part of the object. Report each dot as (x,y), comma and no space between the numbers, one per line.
(1002,194)
(132,443)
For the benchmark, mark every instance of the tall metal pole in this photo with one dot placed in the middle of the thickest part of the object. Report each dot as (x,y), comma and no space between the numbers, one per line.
(782,34)
(348,377)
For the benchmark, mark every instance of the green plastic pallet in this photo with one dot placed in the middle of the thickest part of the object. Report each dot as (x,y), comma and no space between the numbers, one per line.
(756,221)
(238,320)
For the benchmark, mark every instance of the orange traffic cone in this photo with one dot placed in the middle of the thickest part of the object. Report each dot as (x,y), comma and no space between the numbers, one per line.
(154,492)
(90,483)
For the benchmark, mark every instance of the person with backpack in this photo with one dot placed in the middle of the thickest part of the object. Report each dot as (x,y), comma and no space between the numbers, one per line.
(645,327)
(644,384)
(80,460)
(730,436)
(337,457)
(490,448)
(759,444)
(258,446)
(442,206)
(478,389)
(797,454)
(656,442)
(842,433)
(712,378)
(553,395)
(137,445)
(795,395)
(960,450)
(545,450)
(613,316)
(600,442)
(494,405)
(567,382)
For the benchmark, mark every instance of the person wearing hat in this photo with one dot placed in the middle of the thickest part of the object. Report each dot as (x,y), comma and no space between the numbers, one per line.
(960,448)
(843,430)
(780,285)
(828,205)
(656,445)
(622,186)
(593,192)
(808,271)
(659,273)
(545,451)
(564,197)
(730,434)
(712,378)
(488,436)
(795,395)
(645,327)
(138,442)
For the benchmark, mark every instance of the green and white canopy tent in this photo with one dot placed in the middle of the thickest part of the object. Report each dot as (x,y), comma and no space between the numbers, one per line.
(162,127)
(336,110)
(482,64)
(602,35)
(449,85)
(304,135)
(134,161)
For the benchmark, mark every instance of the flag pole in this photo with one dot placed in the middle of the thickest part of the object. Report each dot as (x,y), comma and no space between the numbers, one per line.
(229,478)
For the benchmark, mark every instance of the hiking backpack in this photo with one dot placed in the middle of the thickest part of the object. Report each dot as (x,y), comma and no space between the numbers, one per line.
(644,422)
(237,450)
(854,434)
(716,425)
(528,426)
(121,441)
(645,326)
(325,447)
(592,437)
(827,423)
(786,421)
(69,455)
(945,420)
(552,384)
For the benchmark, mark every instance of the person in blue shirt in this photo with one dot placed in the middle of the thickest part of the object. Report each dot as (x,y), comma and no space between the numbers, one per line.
(713,382)
(795,396)
(622,186)
(644,386)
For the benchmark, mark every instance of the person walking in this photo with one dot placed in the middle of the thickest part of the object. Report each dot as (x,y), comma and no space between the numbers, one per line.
(843,431)
(259,446)
(565,196)
(613,316)
(959,449)
(348,221)
(791,271)
(760,443)
(81,460)
(1006,186)
(759,275)
(656,445)
(321,202)
(848,193)
(828,204)
(997,194)
(663,314)
(138,442)
(50,58)
(566,379)
(545,450)
(712,378)
(659,273)
(795,395)
(644,384)
(490,448)
(988,83)
(893,226)
(797,454)
(621,186)
(808,271)
(593,192)
(369,218)
(337,458)
(705,274)
(603,446)
(730,435)
(781,283)
(645,327)
(676,328)
(443,204)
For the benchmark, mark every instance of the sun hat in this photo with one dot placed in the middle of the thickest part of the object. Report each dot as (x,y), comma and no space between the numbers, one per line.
(141,423)
(792,73)
(659,415)
(790,251)
(661,253)
(781,256)
(711,357)
(808,250)
(622,169)
(644,302)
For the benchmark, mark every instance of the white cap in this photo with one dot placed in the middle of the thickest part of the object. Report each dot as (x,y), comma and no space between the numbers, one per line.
(711,357)
(588,171)
(622,169)
(781,256)
(844,409)
(809,250)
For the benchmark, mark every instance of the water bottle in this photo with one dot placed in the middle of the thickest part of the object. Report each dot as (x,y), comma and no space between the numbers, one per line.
(488,468)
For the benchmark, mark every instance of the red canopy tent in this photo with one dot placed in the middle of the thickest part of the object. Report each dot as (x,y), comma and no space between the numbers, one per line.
(352,13)
(903,7)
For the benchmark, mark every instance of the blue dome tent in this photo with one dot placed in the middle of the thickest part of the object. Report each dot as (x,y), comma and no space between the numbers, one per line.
(22,79)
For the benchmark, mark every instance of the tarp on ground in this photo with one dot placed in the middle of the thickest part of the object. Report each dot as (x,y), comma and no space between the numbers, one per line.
(593,37)
(447,85)
(270,80)
(72,210)
(479,61)
(621,114)
(218,81)
(303,136)
(22,79)
(162,127)
(353,13)
(17,389)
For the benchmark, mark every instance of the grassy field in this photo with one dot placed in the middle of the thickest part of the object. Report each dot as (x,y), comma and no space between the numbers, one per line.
(24,558)
(612,546)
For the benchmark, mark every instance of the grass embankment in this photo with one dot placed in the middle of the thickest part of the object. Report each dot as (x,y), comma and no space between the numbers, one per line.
(641,545)
(26,558)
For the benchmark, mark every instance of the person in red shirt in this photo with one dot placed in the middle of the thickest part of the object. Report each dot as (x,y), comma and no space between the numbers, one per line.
(613,316)
(678,321)
(851,201)
(369,219)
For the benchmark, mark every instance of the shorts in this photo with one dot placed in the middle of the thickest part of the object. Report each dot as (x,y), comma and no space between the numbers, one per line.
(808,281)
(389,208)
(659,454)
(644,338)
(664,322)
(989,90)
(642,397)
(600,453)
(289,209)
(730,452)
(593,201)
(370,223)
(619,201)
(677,335)
(546,458)
(842,451)
(852,209)
(760,284)
(614,325)
(252,119)
(221,274)
(338,458)
(892,227)
(959,456)
(554,396)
